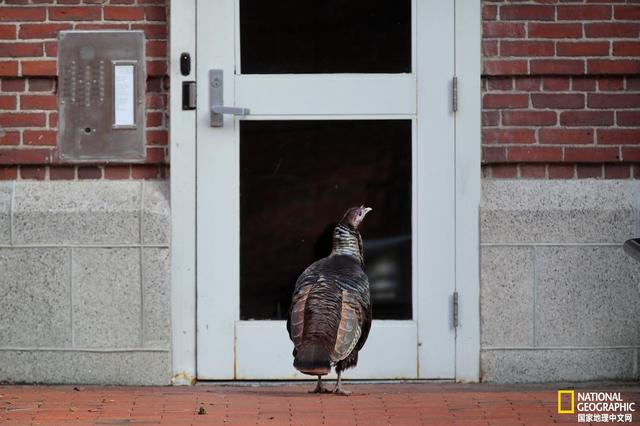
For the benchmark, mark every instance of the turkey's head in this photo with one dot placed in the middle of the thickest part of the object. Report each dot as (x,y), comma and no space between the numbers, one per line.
(354,216)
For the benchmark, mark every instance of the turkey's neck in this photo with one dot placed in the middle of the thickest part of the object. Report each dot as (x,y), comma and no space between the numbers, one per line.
(347,241)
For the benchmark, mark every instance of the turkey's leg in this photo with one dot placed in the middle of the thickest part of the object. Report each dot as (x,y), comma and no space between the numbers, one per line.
(338,389)
(319,388)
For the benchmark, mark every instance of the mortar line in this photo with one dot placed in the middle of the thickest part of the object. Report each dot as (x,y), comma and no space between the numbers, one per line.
(535,290)
(537,348)
(12,202)
(97,350)
(73,334)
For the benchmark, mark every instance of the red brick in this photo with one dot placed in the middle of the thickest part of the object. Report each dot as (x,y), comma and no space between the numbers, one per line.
(7,32)
(26,156)
(527,12)
(156,68)
(145,171)
(583,48)
(8,102)
(152,31)
(553,30)
(505,67)
(39,68)
(51,49)
(606,101)
(39,137)
(508,136)
(9,138)
(626,48)
(583,84)
(22,14)
(586,171)
(155,48)
(631,154)
(49,102)
(155,101)
(504,171)
(492,154)
(157,137)
(628,118)
(502,30)
(556,83)
(497,101)
(528,83)
(617,171)
(609,84)
(584,13)
(53,119)
(489,48)
(62,172)
(534,154)
(533,171)
(9,173)
(591,155)
(529,118)
(155,155)
(557,66)
(604,66)
(489,12)
(155,13)
(500,83)
(13,84)
(123,13)
(89,172)
(22,119)
(619,136)
(586,118)
(41,84)
(117,172)
(21,49)
(33,172)
(558,101)
(612,29)
(527,48)
(44,30)
(560,171)
(154,119)
(627,12)
(565,136)
(8,68)
(83,13)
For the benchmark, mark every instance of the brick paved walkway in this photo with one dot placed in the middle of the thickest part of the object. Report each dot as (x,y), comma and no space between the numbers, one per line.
(288,404)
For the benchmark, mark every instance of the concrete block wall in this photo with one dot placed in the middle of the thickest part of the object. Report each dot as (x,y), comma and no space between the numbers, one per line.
(560,300)
(84,282)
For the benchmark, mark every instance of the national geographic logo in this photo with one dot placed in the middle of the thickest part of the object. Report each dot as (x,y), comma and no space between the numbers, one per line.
(596,407)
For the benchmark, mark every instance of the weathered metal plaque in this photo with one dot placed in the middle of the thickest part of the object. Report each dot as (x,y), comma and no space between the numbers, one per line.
(101,95)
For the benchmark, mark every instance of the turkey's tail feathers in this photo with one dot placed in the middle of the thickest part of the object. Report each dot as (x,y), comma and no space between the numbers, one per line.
(312,359)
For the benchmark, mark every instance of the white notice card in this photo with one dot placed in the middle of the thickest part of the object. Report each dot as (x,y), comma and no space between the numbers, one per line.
(124,95)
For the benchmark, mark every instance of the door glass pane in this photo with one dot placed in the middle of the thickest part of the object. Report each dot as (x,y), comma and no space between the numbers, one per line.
(297,178)
(325,36)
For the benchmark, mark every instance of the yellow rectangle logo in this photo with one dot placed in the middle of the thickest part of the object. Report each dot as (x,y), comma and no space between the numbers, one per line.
(570,410)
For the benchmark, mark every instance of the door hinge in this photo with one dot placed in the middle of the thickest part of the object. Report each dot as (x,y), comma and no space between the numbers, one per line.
(454,94)
(455,309)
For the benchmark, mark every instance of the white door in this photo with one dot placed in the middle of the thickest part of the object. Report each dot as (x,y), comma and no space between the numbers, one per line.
(349,104)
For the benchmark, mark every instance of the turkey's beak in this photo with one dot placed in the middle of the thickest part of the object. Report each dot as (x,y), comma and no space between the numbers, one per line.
(366,210)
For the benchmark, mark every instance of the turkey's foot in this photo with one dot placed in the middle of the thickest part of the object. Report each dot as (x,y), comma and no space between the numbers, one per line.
(338,389)
(319,388)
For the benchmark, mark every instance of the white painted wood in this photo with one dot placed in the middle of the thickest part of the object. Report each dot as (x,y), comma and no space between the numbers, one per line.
(228,348)
(264,351)
(182,134)
(217,207)
(327,94)
(435,219)
(468,157)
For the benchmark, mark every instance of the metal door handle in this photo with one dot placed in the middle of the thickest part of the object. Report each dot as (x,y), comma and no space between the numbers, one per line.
(216,100)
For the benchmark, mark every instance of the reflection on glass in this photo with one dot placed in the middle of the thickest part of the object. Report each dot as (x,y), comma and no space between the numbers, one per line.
(325,36)
(296,180)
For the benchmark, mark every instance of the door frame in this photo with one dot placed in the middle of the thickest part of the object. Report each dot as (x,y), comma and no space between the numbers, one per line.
(463,177)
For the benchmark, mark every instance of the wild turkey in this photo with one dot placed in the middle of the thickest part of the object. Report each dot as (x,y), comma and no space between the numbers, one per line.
(330,313)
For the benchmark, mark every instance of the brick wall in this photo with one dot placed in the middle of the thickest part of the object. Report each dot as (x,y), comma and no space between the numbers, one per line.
(28,84)
(561,89)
